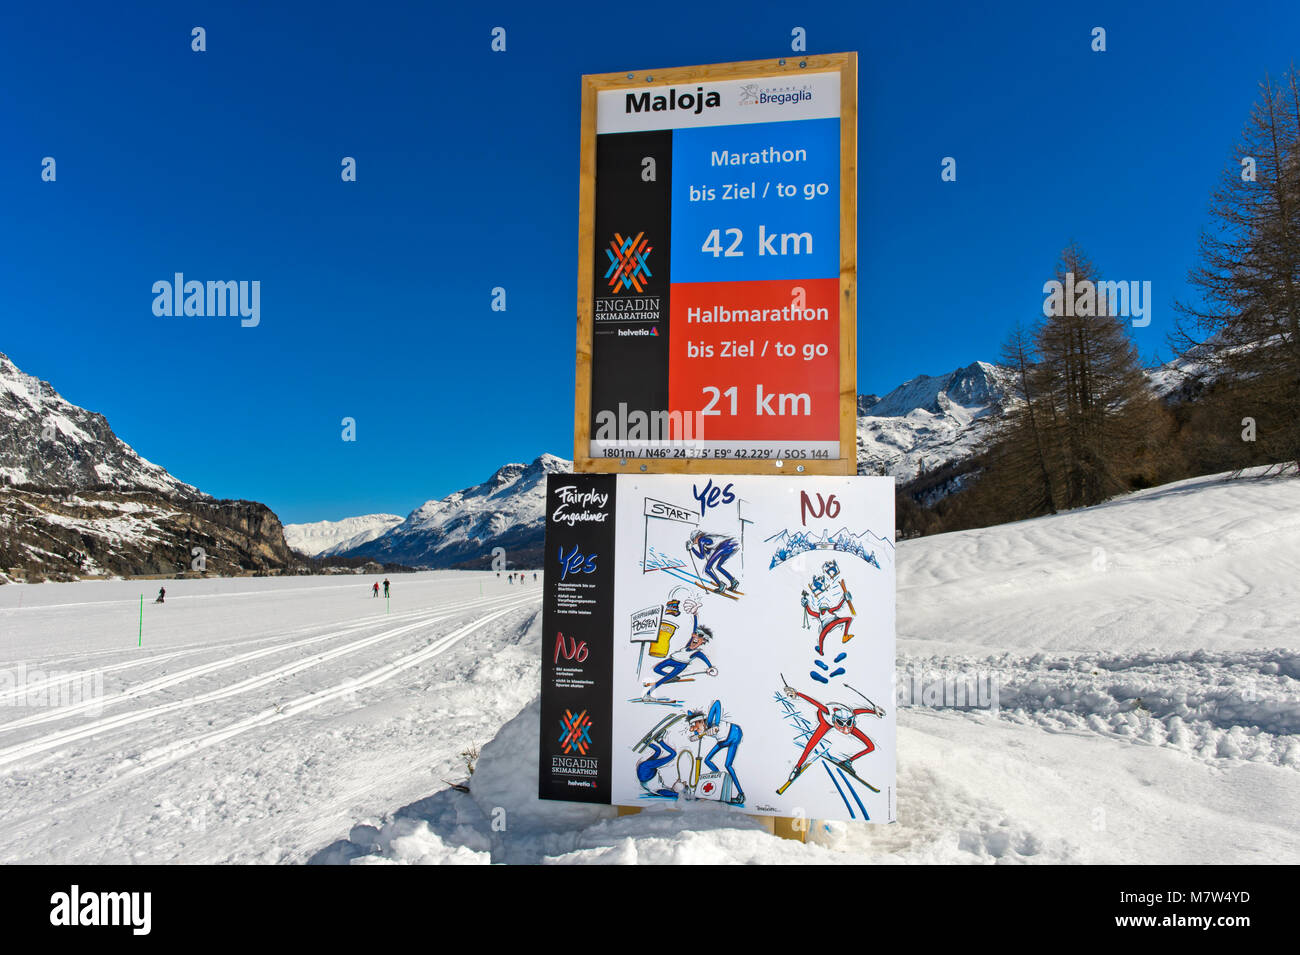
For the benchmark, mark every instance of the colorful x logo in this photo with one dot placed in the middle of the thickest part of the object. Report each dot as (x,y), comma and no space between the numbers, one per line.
(627,265)
(575,732)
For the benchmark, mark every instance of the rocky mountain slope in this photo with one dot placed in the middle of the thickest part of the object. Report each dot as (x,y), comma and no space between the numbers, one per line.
(929,420)
(76,500)
(67,534)
(46,440)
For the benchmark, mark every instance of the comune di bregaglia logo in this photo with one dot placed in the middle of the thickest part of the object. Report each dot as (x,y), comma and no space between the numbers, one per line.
(754,94)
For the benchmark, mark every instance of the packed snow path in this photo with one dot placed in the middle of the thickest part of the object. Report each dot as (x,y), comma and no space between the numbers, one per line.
(1144,654)
(259,717)
(1145,659)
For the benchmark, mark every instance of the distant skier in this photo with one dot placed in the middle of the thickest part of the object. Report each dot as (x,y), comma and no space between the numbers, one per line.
(376,588)
(385,586)
(162,592)
(715,550)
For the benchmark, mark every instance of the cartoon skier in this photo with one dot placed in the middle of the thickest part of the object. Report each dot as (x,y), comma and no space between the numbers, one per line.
(818,606)
(647,769)
(715,550)
(727,737)
(673,667)
(841,718)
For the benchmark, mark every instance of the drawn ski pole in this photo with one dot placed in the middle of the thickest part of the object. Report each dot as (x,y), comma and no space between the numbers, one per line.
(865,697)
(848,597)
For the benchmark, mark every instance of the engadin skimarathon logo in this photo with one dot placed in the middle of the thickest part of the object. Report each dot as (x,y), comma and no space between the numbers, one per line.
(755,94)
(696,102)
(75,907)
(629,267)
(575,733)
(633,310)
(575,742)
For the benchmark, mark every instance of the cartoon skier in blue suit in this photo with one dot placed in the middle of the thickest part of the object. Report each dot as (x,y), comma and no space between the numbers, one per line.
(727,737)
(672,668)
(715,550)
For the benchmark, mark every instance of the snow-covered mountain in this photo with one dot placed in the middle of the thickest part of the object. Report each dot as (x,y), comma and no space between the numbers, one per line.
(76,500)
(47,440)
(929,420)
(461,529)
(327,538)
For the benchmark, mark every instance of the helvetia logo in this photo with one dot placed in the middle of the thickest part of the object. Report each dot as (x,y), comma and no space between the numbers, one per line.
(75,907)
(695,102)
(628,265)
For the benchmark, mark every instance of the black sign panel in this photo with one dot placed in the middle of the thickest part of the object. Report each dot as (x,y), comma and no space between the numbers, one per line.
(631,277)
(577,638)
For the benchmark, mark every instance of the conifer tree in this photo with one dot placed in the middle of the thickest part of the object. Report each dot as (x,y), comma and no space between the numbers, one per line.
(1246,327)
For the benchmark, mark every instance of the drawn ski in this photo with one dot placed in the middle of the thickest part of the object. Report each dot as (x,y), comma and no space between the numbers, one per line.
(700,582)
(848,768)
(651,699)
(659,729)
(797,773)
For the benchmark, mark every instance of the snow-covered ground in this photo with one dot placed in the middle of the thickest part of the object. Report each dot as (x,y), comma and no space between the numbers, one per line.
(260,717)
(1144,655)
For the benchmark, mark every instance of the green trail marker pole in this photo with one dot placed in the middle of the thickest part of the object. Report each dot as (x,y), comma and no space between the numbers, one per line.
(140,642)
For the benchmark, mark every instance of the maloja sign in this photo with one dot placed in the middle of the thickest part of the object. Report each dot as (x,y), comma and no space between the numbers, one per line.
(717,269)
(723,638)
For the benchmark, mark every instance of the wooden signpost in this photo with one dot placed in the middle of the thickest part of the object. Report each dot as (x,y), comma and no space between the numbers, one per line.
(717,336)
(717,270)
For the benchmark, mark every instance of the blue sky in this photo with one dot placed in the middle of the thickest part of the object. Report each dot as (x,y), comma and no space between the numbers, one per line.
(376,294)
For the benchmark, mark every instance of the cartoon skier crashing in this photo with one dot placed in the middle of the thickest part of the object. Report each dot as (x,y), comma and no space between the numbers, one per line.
(843,719)
(820,608)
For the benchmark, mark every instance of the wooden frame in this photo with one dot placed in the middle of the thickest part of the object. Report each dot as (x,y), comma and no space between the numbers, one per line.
(846,64)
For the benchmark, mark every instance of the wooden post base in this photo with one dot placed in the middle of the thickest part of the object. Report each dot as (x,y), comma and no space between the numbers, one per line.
(783,827)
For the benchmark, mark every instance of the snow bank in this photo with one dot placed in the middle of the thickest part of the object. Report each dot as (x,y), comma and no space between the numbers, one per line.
(503,820)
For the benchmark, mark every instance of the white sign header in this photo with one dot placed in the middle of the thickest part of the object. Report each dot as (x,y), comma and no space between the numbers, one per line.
(719,103)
